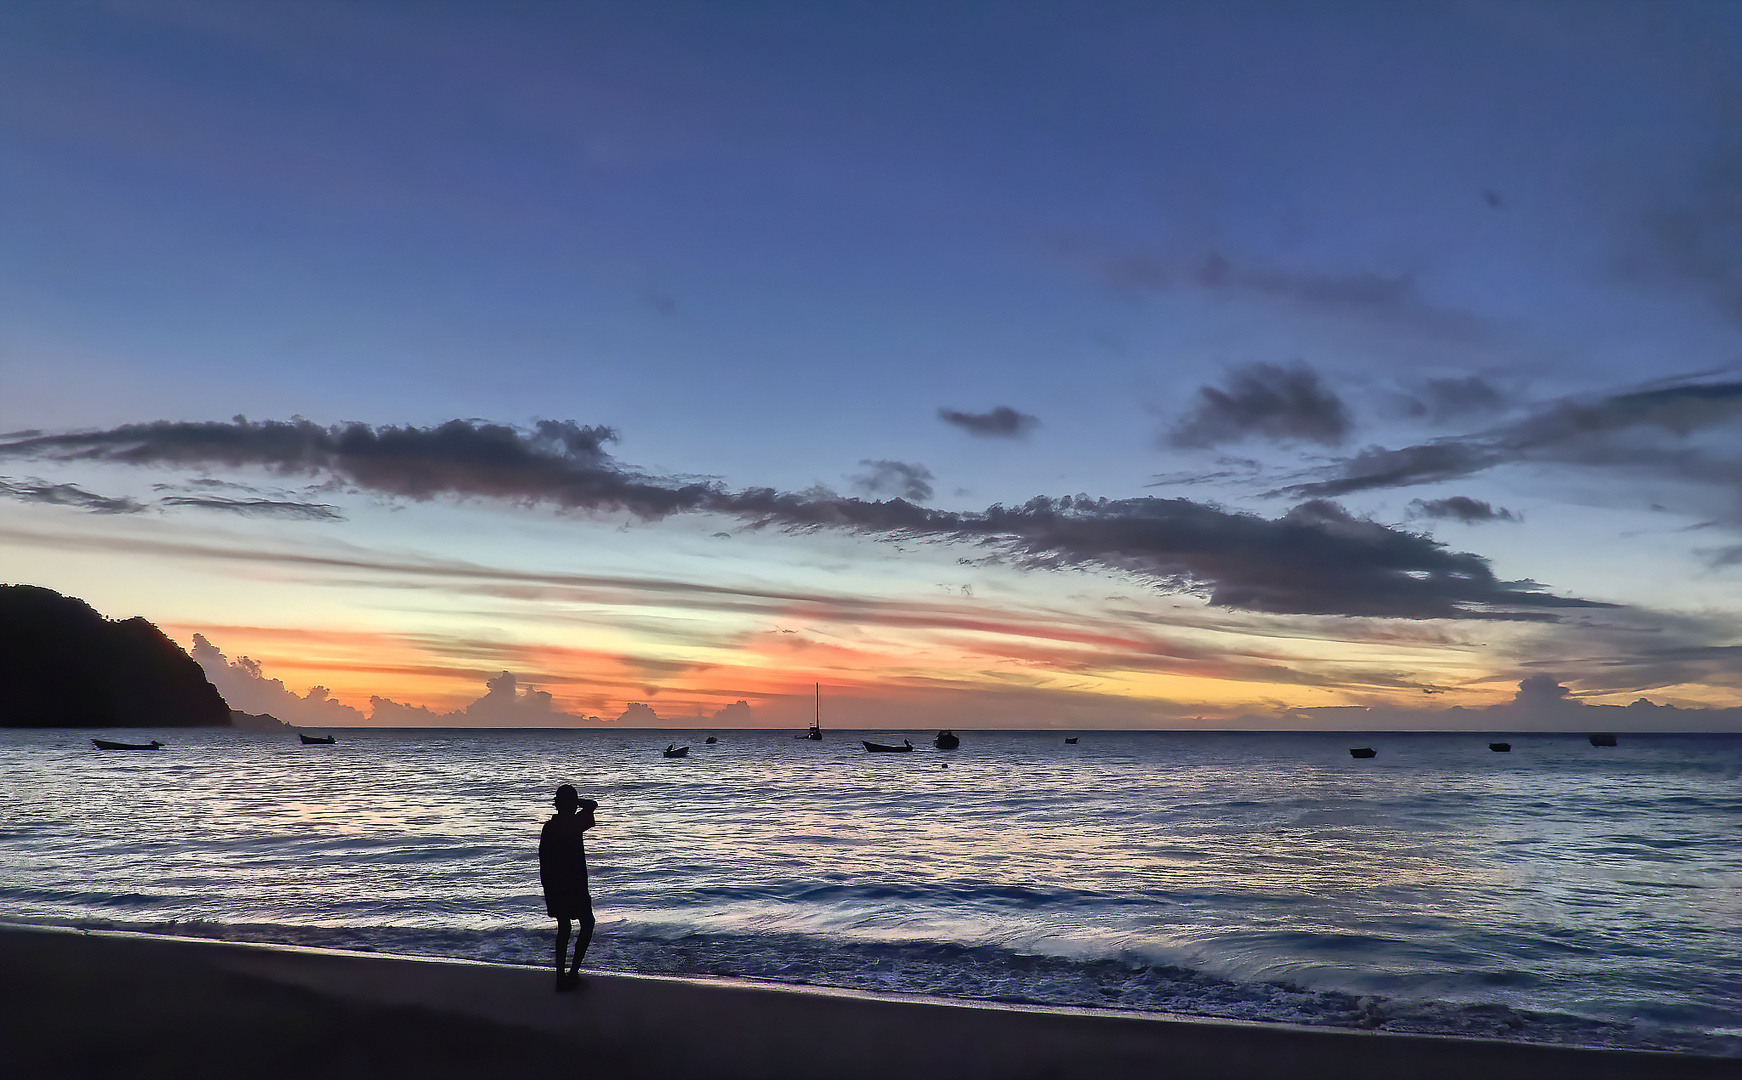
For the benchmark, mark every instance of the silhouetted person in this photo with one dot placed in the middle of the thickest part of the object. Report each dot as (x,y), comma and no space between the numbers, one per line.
(562,868)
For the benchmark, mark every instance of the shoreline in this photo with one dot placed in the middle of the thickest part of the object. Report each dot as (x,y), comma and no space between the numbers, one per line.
(88,1003)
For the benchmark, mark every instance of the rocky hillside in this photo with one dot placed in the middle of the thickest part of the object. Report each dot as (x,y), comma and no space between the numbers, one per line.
(64,665)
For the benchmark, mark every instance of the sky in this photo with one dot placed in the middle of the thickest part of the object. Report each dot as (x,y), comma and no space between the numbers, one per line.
(1348,365)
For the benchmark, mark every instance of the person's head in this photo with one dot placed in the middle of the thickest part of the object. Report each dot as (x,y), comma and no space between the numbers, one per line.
(567,799)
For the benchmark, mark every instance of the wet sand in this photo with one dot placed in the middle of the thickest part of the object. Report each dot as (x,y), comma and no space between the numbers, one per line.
(76,1004)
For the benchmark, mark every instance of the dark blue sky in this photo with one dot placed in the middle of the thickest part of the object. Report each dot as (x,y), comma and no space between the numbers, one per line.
(769,242)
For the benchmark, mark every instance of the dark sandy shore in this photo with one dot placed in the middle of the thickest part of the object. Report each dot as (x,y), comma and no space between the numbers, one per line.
(78,1004)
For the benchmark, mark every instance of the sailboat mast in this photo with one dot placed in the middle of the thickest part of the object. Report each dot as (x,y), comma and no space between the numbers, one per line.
(819,714)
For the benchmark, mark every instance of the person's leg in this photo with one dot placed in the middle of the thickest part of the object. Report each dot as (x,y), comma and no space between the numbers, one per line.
(562,943)
(583,938)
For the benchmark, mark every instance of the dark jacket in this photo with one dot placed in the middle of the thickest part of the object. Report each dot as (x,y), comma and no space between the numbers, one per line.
(562,866)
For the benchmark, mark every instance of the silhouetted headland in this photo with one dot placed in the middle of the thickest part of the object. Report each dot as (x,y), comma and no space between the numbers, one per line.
(64,665)
(257,721)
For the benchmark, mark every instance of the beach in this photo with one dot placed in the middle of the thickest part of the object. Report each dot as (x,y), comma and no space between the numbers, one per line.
(76,1003)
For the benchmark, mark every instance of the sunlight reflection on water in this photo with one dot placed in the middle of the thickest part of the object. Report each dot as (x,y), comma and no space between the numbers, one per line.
(1553,878)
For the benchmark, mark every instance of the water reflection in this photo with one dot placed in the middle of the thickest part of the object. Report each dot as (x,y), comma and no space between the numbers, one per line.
(1433,869)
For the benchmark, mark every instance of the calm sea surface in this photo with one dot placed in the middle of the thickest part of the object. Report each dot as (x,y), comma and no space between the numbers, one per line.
(1561,892)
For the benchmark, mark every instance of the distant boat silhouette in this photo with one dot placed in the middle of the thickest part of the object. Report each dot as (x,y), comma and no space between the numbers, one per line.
(1362,752)
(1500,747)
(1602,738)
(885,748)
(315,740)
(815,734)
(674,750)
(1071,740)
(946,740)
(710,740)
(105,744)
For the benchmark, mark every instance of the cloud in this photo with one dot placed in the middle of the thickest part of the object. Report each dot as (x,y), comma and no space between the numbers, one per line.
(1002,422)
(1441,400)
(737,714)
(897,478)
(1270,401)
(244,684)
(279,508)
(505,705)
(246,687)
(1649,431)
(1697,239)
(1459,508)
(1394,300)
(41,491)
(1316,559)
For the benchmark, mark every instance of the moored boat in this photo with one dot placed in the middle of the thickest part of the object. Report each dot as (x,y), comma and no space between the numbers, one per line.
(316,740)
(815,734)
(675,750)
(1071,741)
(1362,752)
(886,748)
(1500,747)
(710,740)
(946,740)
(105,744)
(1602,738)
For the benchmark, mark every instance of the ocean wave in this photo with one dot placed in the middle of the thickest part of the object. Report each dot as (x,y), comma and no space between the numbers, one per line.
(982,973)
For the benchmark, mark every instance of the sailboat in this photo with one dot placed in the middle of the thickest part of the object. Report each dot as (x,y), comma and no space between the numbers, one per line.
(815,734)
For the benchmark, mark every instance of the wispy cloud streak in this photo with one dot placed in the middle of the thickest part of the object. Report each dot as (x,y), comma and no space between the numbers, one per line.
(1647,431)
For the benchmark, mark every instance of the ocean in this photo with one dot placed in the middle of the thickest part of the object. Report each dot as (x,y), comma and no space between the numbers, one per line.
(1557,893)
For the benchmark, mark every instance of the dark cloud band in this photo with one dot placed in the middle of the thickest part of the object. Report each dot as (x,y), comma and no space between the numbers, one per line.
(1316,559)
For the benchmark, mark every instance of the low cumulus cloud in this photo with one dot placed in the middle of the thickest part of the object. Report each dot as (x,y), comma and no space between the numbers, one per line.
(895,478)
(1281,403)
(1459,508)
(248,689)
(1002,422)
(1681,431)
(1315,559)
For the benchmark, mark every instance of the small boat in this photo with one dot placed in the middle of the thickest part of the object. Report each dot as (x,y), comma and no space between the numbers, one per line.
(1070,742)
(815,734)
(710,740)
(946,740)
(886,748)
(105,744)
(1602,738)
(1362,752)
(674,750)
(1500,747)
(316,740)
